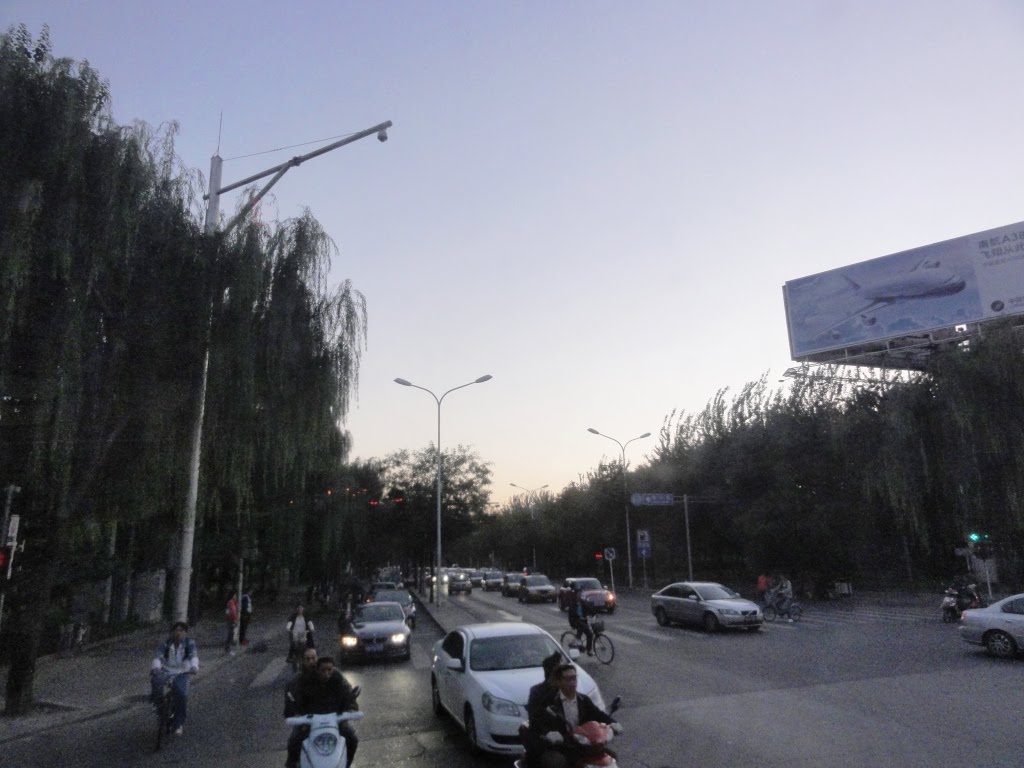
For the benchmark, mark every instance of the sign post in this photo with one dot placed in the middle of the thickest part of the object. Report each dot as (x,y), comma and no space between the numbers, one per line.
(609,555)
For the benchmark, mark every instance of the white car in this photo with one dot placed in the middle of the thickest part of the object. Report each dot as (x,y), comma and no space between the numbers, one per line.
(481,674)
(1000,627)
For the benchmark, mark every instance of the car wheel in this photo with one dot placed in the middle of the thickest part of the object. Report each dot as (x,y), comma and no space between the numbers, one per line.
(1000,645)
(711,622)
(474,743)
(661,616)
(435,697)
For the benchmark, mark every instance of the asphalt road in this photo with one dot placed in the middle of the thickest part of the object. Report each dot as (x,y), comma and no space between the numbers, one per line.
(853,684)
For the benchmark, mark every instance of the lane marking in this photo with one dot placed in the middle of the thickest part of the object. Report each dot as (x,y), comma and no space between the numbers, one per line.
(270,673)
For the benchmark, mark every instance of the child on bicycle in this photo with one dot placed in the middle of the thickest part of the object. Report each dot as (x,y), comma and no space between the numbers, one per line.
(175,659)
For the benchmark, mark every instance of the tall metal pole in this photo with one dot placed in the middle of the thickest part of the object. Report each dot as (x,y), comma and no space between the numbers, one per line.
(625,494)
(404,383)
(186,531)
(531,500)
(11,490)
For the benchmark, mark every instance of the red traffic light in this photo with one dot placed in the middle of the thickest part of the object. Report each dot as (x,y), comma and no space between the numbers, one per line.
(3,558)
(598,556)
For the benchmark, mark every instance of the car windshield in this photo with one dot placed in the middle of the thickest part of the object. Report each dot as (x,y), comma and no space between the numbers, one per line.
(378,612)
(537,581)
(588,584)
(715,592)
(393,596)
(492,575)
(458,576)
(511,652)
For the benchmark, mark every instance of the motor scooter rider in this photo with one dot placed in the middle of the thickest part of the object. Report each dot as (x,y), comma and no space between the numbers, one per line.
(578,619)
(570,709)
(783,593)
(324,690)
(541,696)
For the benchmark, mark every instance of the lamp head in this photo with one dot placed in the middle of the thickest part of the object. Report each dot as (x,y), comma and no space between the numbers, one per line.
(645,434)
(403,382)
(484,378)
(382,135)
(593,431)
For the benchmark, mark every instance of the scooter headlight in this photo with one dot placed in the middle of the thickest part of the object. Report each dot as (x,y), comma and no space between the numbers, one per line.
(325,744)
(349,641)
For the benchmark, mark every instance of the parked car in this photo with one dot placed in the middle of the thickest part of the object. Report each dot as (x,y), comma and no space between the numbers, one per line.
(458,581)
(536,588)
(492,581)
(706,604)
(510,584)
(476,578)
(377,631)
(596,597)
(481,675)
(999,627)
(403,598)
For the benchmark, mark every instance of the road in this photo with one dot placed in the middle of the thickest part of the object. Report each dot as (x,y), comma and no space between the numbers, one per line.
(853,684)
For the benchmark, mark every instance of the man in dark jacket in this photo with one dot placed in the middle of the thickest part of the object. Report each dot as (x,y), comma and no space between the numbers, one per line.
(542,696)
(573,709)
(324,691)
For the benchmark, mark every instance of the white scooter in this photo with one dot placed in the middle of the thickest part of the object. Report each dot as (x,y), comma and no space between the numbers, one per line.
(325,746)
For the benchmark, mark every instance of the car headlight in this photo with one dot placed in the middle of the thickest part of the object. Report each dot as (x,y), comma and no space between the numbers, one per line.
(325,744)
(349,641)
(398,638)
(730,612)
(497,706)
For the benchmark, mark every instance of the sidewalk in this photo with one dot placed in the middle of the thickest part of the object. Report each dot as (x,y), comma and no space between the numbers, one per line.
(113,674)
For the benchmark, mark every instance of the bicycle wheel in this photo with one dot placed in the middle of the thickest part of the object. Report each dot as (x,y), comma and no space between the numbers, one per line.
(795,611)
(163,718)
(569,639)
(770,614)
(604,649)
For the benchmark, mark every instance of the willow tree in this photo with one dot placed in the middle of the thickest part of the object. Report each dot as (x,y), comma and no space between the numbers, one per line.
(95,276)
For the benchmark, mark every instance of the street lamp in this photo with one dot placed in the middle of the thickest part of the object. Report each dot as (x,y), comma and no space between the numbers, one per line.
(404,383)
(625,495)
(530,492)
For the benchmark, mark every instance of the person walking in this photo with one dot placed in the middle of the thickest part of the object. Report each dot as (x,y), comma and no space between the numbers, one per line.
(244,617)
(762,588)
(231,615)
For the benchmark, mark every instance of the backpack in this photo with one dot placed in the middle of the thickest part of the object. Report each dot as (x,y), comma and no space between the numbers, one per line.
(246,604)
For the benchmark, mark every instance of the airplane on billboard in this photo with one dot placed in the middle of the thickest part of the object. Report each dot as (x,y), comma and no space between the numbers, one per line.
(927,280)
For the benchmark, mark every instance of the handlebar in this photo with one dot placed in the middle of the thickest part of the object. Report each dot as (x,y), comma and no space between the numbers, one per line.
(308,719)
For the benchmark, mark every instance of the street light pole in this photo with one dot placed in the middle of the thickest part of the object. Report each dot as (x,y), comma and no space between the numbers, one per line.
(186,532)
(625,495)
(404,383)
(530,493)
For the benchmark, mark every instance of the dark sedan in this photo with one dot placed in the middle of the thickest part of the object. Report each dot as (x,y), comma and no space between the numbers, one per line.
(594,595)
(377,631)
(536,588)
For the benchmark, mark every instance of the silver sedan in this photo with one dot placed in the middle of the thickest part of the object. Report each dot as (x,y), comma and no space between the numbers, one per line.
(999,627)
(704,603)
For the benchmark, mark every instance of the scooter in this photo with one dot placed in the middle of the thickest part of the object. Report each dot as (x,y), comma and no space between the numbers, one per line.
(325,746)
(950,613)
(956,601)
(593,737)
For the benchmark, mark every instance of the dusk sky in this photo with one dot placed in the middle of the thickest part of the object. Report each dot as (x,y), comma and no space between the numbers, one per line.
(597,203)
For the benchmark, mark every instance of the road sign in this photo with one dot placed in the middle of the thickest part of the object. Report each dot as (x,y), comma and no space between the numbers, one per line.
(651,499)
(643,542)
(609,553)
(12,531)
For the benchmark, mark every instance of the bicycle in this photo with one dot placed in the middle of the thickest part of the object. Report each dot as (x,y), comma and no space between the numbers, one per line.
(772,610)
(604,648)
(165,709)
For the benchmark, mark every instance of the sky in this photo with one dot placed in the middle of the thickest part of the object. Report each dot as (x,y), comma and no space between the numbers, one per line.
(596,203)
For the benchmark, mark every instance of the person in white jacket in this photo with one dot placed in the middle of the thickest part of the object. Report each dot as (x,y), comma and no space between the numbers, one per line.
(176,659)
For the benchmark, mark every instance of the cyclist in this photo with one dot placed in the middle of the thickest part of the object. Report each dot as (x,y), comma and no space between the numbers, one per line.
(578,619)
(783,594)
(176,658)
(300,633)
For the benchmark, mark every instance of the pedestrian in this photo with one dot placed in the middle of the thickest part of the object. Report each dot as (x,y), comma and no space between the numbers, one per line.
(244,617)
(762,587)
(231,615)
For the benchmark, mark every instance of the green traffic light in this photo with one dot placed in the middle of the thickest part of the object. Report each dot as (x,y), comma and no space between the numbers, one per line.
(974,537)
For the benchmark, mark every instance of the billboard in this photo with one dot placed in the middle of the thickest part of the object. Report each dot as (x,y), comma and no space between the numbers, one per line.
(969,279)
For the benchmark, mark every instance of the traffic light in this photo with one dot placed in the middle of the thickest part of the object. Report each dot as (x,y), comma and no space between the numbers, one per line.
(981,545)
(974,538)
(3,558)
(598,556)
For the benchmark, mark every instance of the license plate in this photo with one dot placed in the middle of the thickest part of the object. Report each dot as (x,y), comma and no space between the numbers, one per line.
(375,648)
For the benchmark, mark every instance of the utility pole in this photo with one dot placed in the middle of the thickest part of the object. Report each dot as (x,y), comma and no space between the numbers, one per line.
(186,531)
(11,490)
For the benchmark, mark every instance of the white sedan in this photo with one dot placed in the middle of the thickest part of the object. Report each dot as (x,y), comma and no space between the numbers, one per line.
(481,674)
(1000,627)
